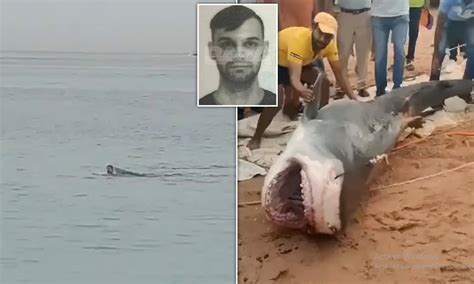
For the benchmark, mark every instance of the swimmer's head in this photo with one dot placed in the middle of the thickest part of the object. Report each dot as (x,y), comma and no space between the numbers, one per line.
(110,169)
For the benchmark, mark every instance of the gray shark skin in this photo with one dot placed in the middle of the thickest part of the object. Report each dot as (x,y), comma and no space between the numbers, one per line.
(321,173)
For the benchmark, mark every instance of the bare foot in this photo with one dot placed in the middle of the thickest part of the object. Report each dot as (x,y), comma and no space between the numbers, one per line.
(253,144)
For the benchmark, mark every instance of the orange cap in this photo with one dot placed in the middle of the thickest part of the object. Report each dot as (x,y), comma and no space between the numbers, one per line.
(326,22)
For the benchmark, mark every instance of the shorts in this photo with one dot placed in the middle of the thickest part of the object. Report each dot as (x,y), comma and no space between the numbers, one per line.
(284,73)
(283,76)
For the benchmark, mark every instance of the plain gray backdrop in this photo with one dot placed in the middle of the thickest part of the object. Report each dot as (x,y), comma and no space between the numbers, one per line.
(137,26)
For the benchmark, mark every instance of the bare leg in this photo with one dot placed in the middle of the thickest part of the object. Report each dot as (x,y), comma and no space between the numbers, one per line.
(265,119)
(290,108)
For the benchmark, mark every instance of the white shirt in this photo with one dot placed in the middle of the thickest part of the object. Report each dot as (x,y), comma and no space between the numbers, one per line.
(390,8)
(354,4)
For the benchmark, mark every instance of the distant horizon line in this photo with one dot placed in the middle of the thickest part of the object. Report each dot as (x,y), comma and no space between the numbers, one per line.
(96,52)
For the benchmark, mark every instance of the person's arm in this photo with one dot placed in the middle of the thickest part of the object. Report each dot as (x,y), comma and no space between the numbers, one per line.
(341,79)
(426,5)
(295,70)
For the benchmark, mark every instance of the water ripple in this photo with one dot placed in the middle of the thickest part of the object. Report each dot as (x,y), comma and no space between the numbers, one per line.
(146,245)
(113,239)
(34,249)
(101,248)
(112,231)
(14,218)
(88,226)
(183,242)
(183,235)
(11,211)
(115,196)
(111,218)
(89,177)
(73,241)
(29,260)
(16,189)
(52,237)
(65,176)
(151,218)
(210,218)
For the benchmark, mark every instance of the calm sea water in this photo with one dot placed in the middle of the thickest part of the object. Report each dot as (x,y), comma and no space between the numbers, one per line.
(64,116)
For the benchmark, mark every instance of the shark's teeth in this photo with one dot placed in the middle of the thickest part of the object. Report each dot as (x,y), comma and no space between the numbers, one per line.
(307,202)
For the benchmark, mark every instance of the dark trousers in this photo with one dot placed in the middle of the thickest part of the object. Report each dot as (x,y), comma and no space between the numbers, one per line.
(469,39)
(413,30)
(447,32)
(456,36)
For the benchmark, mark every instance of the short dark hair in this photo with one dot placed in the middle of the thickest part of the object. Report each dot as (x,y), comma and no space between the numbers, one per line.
(233,17)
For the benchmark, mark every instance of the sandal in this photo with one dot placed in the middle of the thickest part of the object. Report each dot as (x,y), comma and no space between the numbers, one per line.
(339,95)
(363,93)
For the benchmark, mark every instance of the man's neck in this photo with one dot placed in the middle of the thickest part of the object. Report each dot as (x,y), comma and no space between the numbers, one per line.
(242,94)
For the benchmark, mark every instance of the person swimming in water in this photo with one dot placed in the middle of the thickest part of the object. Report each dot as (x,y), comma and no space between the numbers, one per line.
(114,171)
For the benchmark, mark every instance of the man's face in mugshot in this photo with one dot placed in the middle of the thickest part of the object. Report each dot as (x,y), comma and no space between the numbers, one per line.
(239,53)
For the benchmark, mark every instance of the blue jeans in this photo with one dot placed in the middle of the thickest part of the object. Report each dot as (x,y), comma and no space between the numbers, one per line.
(381,27)
(456,36)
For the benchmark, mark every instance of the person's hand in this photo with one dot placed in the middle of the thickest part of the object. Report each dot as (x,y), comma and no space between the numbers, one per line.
(306,94)
(253,144)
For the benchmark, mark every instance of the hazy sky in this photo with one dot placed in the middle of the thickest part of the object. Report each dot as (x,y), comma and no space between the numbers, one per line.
(150,26)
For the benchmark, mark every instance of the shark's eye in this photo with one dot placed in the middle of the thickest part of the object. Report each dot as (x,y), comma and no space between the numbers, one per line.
(339,175)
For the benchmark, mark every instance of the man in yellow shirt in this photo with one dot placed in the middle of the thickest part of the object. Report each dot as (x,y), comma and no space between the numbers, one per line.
(298,48)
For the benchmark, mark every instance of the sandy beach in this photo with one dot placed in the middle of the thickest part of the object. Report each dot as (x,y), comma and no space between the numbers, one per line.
(414,233)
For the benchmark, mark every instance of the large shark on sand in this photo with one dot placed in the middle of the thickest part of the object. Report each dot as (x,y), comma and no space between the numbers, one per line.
(319,176)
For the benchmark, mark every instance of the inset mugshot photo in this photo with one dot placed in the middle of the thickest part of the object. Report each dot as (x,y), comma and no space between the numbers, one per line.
(237,55)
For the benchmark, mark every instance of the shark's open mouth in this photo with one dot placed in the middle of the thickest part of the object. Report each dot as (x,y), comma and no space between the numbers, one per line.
(303,193)
(288,199)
